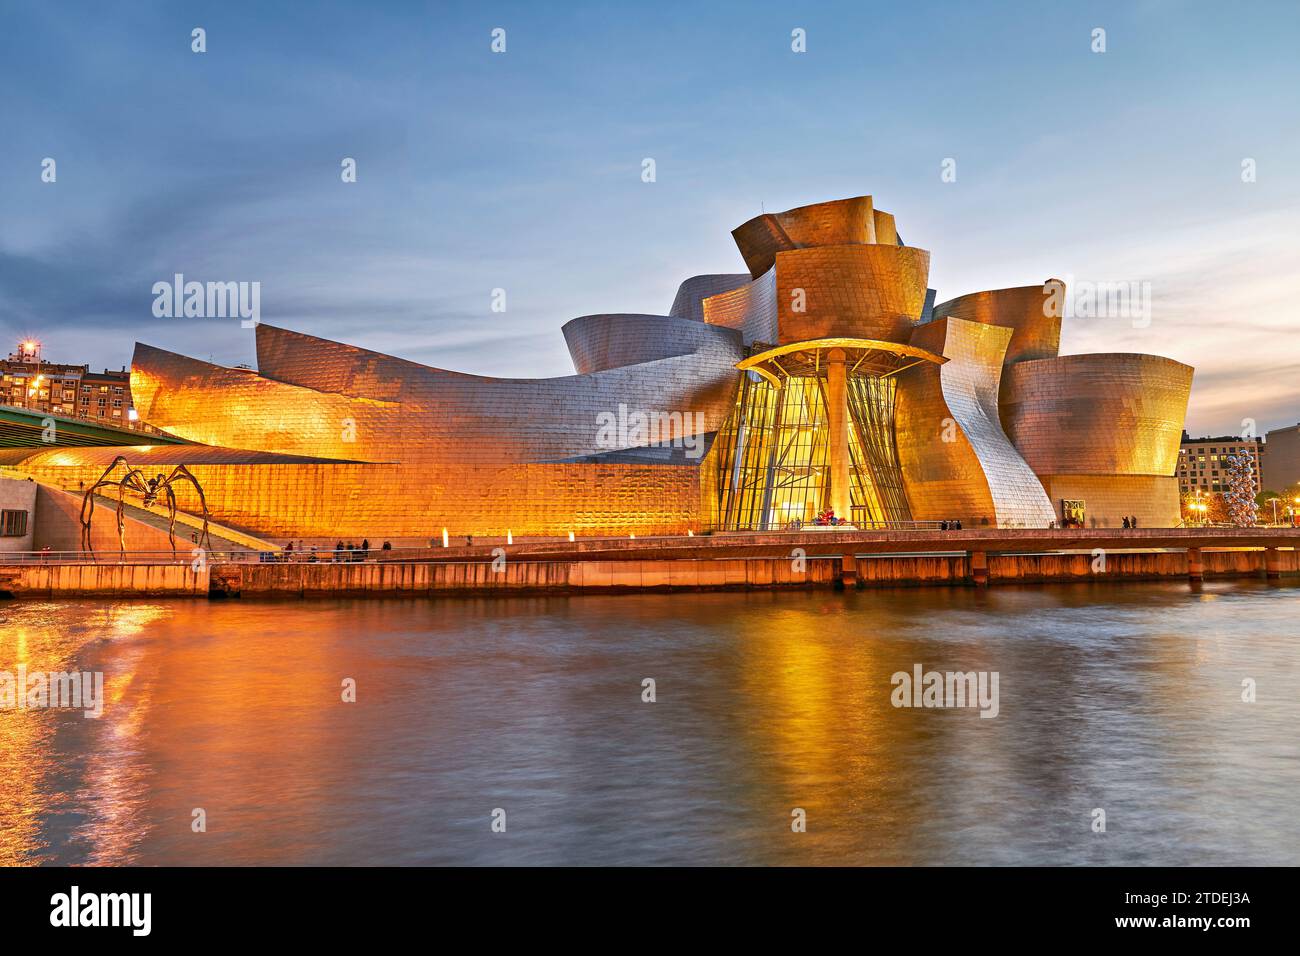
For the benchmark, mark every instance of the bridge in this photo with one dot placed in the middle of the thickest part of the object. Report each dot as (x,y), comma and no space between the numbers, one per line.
(27,428)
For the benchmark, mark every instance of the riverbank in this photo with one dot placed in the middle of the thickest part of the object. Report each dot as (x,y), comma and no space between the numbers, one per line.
(505,576)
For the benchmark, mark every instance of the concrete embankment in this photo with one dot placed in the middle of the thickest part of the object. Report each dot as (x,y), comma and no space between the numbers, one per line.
(102,580)
(532,577)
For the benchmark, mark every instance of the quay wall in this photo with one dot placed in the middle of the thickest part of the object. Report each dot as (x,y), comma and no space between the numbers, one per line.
(451,577)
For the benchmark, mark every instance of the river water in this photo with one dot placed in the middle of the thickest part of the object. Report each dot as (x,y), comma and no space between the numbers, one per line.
(1125,699)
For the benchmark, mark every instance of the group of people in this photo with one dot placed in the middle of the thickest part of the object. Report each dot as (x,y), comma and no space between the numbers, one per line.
(342,552)
(827,517)
(950,525)
(1130,521)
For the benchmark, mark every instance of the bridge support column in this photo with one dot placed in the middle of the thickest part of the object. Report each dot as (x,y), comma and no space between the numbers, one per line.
(1195,567)
(1272,564)
(849,571)
(979,568)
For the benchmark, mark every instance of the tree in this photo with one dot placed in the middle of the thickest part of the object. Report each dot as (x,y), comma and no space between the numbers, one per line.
(1239,497)
(1203,509)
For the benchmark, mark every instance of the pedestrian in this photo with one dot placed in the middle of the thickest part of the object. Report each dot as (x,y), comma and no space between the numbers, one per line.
(469,540)
(943,525)
(338,550)
(388,546)
(1133,521)
(1126,524)
(958,524)
(365,548)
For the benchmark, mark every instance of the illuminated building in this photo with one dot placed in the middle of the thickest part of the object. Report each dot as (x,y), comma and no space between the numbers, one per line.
(823,378)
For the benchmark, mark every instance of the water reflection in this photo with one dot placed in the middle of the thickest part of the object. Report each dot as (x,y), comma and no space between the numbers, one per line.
(1120,697)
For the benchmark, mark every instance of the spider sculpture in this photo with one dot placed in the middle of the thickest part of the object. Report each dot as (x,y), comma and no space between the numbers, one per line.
(149,488)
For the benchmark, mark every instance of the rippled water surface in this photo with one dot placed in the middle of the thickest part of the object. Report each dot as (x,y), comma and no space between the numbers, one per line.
(1126,698)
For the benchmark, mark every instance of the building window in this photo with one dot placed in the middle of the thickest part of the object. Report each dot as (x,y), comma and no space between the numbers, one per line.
(13,524)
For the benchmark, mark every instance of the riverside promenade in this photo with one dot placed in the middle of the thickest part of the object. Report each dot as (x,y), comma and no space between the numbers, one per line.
(742,561)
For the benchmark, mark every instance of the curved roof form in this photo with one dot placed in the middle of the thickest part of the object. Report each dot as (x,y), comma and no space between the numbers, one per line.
(750,309)
(322,398)
(689,301)
(1032,312)
(600,342)
(842,222)
(804,359)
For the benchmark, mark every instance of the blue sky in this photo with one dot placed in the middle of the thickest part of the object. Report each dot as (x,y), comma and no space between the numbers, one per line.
(522,170)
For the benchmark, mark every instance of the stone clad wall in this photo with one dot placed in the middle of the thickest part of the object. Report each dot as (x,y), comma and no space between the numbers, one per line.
(18,495)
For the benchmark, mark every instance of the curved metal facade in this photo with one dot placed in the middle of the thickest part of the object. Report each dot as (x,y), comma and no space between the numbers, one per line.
(429,412)
(598,343)
(1103,429)
(842,222)
(864,292)
(750,309)
(1032,312)
(689,301)
(1101,414)
(956,460)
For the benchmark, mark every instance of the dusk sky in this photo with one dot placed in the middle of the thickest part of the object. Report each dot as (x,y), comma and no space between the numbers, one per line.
(522,170)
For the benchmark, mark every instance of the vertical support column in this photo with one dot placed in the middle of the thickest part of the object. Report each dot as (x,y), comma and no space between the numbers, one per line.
(837,426)
(849,570)
(979,568)
(1272,564)
(1195,568)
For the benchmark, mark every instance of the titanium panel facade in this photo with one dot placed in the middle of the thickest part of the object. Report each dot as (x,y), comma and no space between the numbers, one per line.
(426,414)
(1103,429)
(1032,312)
(863,292)
(689,301)
(956,460)
(1098,414)
(750,309)
(598,343)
